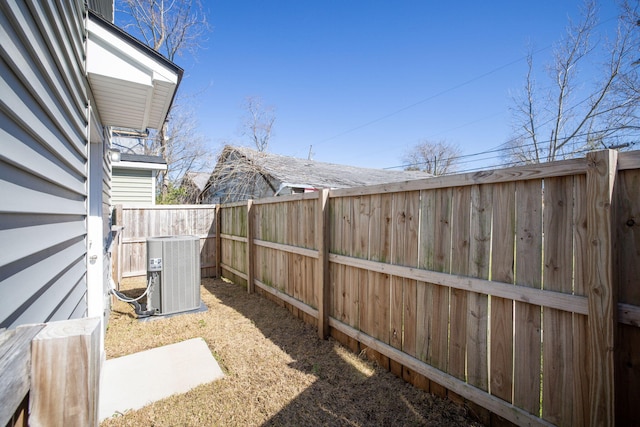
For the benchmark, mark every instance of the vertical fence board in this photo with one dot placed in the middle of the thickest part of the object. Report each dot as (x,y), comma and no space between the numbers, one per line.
(558,270)
(249,255)
(350,289)
(380,228)
(411,249)
(352,278)
(478,304)
(526,393)
(460,224)
(361,219)
(601,171)
(404,251)
(424,292)
(627,274)
(398,236)
(442,263)
(501,353)
(579,326)
(433,300)
(336,279)
(374,289)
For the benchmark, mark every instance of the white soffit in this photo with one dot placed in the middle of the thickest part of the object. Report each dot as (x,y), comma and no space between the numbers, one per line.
(132,87)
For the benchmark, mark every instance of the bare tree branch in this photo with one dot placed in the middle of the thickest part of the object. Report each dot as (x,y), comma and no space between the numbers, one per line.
(573,126)
(436,158)
(170,27)
(258,122)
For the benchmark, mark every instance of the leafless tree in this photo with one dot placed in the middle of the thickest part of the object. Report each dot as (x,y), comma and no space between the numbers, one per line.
(571,115)
(258,122)
(238,175)
(436,158)
(185,147)
(171,27)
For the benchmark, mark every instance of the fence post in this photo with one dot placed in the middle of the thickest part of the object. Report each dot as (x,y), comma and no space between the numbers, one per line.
(601,175)
(65,374)
(15,366)
(250,246)
(218,221)
(322,276)
(118,220)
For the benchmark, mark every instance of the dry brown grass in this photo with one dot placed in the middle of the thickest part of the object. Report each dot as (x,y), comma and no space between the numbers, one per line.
(277,371)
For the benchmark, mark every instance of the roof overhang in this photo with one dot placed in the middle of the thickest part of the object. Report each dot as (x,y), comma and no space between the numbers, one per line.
(139,165)
(132,85)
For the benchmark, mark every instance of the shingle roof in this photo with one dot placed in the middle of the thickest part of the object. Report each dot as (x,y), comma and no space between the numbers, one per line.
(322,175)
(199,179)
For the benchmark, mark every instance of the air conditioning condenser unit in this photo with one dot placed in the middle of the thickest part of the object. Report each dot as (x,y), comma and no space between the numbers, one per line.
(173,274)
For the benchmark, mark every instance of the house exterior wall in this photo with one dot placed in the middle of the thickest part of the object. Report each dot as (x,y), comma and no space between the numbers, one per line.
(43,162)
(133,186)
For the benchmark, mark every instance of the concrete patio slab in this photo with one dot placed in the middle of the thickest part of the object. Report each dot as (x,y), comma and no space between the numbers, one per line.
(133,381)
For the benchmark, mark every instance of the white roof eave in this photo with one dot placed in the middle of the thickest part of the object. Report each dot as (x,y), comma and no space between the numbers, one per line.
(133,87)
(123,164)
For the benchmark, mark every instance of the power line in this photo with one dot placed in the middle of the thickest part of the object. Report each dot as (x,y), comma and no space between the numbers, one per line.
(615,145)
(443,92)
(431,97)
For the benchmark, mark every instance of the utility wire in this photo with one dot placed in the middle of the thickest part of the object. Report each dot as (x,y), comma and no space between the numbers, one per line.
(450,89)
(615,145)
(431,97)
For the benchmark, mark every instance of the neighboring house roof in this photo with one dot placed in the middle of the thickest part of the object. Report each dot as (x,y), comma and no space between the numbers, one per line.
(198,179)
(314,174)
(242,173)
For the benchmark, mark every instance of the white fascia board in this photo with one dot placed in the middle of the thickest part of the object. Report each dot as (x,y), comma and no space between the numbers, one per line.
(139,165)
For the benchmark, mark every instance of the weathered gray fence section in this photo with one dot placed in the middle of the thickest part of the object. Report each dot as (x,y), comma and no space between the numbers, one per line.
(142,222)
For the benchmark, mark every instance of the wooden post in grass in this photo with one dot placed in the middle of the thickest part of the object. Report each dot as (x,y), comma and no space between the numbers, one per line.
(65,374)
(322,275)
(601,175)
(218,221)
(250,247)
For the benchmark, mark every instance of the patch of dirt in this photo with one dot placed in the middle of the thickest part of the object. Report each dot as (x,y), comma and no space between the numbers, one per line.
(278,372)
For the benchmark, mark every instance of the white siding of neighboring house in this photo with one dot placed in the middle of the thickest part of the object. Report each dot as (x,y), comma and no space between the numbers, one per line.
(133,186)
(43,162)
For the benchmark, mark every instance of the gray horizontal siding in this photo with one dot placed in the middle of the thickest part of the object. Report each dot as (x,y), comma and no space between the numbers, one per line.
(132,186)
(43,162)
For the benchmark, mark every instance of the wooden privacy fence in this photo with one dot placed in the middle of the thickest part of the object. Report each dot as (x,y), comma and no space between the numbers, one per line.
(516,289)
(137,223)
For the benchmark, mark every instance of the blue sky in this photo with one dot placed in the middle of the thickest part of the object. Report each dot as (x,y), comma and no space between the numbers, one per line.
(363,81)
